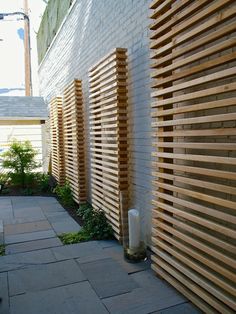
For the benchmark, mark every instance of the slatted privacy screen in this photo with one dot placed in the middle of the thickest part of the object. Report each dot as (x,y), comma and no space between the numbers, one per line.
(108,136)
(74,150)
(56,130)
(194,149)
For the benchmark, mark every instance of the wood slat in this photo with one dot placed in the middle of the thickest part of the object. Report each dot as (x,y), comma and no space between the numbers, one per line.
(213,159)
(108,136)
(192,108)
(207,12)
(203,184)
(56,131)
(74,148)
(194,149)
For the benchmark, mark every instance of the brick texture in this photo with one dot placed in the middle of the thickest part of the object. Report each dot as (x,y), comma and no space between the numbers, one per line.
(91,30)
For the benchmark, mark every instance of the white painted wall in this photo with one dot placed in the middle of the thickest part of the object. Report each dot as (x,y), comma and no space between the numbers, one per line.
(33,133)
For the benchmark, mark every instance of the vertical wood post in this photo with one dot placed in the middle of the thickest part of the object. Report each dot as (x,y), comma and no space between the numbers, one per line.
(28,87)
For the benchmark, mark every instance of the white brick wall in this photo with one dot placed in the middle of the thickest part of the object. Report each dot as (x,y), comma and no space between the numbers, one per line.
(91,30)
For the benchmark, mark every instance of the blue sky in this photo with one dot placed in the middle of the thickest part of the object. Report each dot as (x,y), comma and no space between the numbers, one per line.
(12,47)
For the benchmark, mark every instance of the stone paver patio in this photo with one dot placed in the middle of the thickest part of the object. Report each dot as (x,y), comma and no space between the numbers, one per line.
(38,275)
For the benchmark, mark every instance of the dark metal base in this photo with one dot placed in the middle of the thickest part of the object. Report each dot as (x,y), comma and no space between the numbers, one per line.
(136,256)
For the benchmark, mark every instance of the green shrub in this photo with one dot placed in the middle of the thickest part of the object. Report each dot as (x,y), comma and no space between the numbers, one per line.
(4,177)
(2,249)
(28,191)
(95,227)
(42,181)
(74,237)
(65,194)
(85,211)
(95,222)
(20,161)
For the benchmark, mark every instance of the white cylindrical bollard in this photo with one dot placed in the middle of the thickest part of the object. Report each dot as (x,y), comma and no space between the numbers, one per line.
(134,229)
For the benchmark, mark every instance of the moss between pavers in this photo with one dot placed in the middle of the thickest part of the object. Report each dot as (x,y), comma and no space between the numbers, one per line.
(74,237)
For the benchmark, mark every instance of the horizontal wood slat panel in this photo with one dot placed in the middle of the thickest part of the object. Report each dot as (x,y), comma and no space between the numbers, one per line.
(194,149)
(108,132)
(74,149)
(56,131)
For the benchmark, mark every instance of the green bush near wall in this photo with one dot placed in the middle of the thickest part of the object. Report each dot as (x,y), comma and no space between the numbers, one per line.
(52,18)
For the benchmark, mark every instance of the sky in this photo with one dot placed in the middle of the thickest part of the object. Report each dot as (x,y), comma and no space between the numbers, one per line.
(12,77)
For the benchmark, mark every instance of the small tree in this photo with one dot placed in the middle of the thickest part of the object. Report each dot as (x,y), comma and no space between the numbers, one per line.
(19,159)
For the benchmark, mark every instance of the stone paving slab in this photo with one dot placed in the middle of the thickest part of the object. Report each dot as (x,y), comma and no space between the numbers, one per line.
(29,205)
(15,221)
(79,250)
(108,278)
(25,200)
(77,298)
(51,207)
(27,227)
(46,200)
(22,260)
(186,308)
(29,212)
(5,205)
(5,200)
(56,216)
(108,243)
(1,232)
(4,306)
(1,225)
(66,225)
(92,257)
(32,245)
(141,301)
(19,202)
(41,277)
(148,279)
(23,237)
(48,278)
(17,199)
(6,213)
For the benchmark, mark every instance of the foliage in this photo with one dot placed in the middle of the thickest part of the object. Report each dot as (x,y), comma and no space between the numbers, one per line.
(95,227)
(95,222)
(42,181)
(20,160)
(65,194)
(4,177)
(85,211)
(27,191)
(2,249)
(74,237)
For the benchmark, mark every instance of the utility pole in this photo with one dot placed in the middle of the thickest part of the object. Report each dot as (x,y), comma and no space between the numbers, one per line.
(28,80)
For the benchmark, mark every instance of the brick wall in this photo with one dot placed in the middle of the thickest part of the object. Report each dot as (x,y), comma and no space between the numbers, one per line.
(92,29)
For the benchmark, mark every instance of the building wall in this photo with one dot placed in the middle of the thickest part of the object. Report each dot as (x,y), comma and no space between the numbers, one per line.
(22,131)
(91,30)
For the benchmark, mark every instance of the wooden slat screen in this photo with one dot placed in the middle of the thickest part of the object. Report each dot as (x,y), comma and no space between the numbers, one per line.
(108,136)
(56,131)
(74,150)
(194,149)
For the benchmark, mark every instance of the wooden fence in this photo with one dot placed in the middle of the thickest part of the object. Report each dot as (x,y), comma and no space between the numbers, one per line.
(56,130)
(108,137)
(73,131)
(194,167)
